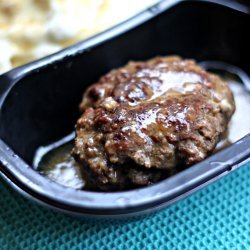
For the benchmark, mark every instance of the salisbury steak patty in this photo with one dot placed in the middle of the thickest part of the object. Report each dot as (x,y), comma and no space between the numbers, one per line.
(145,118)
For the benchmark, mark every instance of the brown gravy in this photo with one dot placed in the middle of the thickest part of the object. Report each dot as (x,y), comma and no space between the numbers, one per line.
(55,160)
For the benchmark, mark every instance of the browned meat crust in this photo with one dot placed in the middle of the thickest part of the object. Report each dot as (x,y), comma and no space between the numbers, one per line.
(145,118)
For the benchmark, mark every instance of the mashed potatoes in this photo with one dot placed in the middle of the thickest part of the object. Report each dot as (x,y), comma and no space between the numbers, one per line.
(30,29)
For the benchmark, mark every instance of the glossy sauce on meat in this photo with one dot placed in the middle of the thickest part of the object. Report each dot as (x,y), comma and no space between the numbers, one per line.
(146,118)
(58,153)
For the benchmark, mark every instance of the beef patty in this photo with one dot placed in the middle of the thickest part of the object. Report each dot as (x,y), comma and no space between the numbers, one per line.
(142,120)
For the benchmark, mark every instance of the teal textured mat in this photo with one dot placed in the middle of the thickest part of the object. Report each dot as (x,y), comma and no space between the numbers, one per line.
(218,217)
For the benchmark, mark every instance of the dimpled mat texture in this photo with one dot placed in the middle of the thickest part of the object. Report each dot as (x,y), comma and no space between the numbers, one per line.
(217,217)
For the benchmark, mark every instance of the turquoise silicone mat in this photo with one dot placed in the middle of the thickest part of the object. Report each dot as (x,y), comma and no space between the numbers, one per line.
(217,217)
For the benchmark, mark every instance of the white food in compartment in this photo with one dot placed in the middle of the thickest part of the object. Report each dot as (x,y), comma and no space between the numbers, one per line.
(30,29)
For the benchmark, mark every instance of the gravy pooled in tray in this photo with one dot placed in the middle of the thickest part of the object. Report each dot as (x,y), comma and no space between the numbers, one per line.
(143,120)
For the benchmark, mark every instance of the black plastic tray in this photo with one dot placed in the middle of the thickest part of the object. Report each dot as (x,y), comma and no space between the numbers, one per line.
(39,101)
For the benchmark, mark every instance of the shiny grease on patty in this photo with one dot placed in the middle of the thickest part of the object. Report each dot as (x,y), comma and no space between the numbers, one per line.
(142,120)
